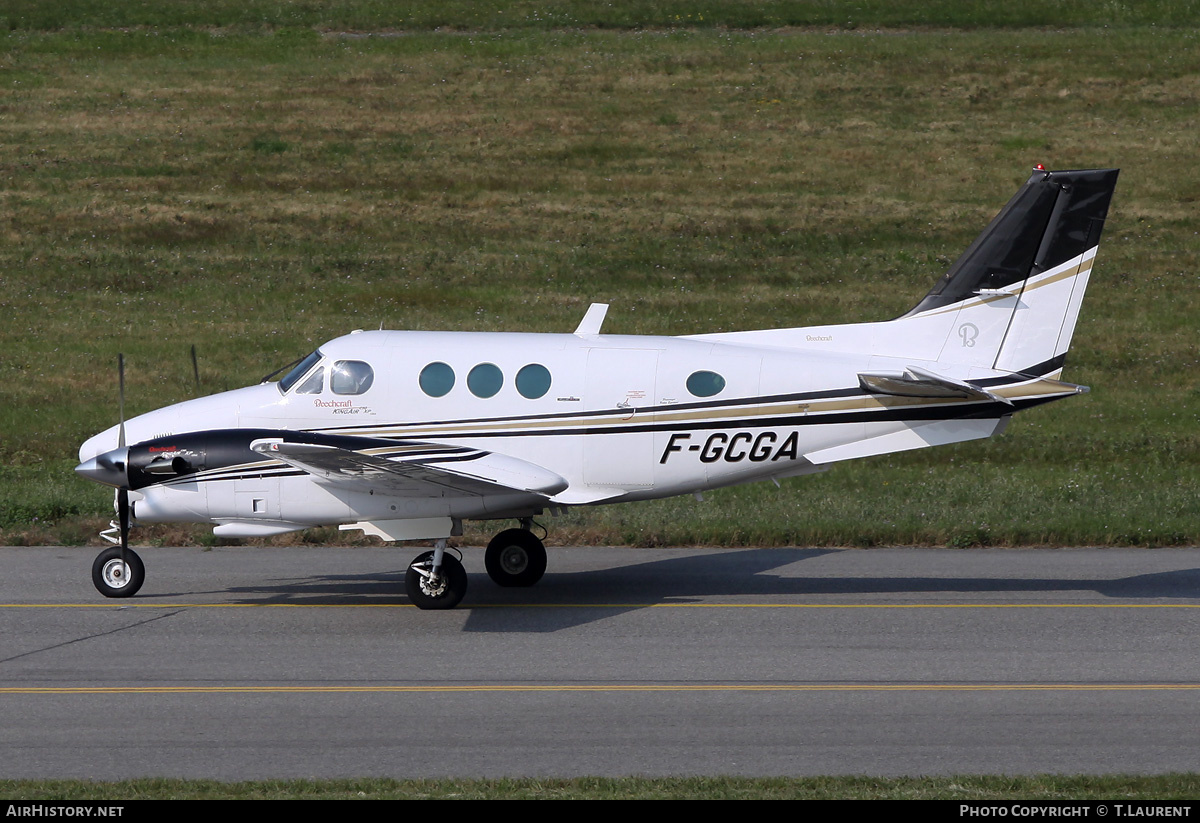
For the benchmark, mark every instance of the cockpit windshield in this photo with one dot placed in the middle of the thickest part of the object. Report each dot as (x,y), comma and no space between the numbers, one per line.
(301,369)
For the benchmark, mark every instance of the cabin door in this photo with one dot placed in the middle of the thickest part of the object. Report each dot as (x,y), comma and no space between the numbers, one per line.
(618,446)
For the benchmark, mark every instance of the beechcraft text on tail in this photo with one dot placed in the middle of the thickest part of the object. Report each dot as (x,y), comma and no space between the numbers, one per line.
(405,435)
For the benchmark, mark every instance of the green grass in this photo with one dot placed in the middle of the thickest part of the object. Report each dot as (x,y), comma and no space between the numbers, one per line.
(491,15)
(1157,789)
(252,180)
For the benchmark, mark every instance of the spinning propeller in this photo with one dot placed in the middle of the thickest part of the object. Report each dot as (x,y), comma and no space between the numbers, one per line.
(117,572)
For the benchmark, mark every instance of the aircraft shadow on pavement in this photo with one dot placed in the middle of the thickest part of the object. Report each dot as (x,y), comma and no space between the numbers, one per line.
(746,573)
(571,598)
(732,572)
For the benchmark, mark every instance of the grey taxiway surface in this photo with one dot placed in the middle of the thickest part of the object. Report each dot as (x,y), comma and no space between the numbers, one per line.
(239,663)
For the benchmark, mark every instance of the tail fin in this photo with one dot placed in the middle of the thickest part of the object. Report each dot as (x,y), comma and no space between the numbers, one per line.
(1009,303)
(1016,290)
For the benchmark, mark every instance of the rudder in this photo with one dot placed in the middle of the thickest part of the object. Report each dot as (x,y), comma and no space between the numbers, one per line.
(1017,289)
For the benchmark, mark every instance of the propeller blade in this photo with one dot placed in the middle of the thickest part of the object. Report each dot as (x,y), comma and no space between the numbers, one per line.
(121,397)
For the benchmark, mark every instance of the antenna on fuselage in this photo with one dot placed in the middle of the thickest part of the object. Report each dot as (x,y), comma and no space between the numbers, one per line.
(593,320)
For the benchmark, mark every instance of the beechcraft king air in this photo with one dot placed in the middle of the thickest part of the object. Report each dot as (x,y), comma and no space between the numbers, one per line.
(404,435)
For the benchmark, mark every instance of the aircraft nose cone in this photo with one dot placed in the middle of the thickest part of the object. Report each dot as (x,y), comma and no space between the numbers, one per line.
(107,468)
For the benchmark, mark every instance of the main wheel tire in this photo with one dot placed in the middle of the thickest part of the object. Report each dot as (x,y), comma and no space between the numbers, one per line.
(112,578)
(515,558)
(450,588)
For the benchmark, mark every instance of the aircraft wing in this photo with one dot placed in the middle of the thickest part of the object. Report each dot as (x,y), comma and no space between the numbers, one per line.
(415,469)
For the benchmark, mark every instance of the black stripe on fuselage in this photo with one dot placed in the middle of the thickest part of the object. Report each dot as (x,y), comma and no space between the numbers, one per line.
(1033,372)
(984,409)
(674,407)
(954,410)
(1025,375)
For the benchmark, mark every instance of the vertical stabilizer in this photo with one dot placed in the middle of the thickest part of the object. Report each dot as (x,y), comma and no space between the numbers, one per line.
(1008,303)
(1014,294)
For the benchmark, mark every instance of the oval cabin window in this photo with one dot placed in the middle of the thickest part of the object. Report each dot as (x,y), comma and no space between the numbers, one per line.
(485,380)
(437,379)
(533,381)
(705,383)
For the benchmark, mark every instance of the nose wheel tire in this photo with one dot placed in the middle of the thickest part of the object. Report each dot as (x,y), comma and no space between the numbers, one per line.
(114,578)
(443,592)
(515,558)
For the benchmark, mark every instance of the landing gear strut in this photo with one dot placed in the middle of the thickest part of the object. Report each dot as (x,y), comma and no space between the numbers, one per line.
(436,580)
(515,558)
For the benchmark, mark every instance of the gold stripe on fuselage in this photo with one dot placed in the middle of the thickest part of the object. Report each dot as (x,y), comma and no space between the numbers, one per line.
(1035,388)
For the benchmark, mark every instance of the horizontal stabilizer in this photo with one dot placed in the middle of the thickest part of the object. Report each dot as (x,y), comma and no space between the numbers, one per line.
(1044,387)
(916,382)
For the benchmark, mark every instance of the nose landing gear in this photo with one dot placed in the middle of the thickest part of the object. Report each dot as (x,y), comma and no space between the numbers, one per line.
(118,573)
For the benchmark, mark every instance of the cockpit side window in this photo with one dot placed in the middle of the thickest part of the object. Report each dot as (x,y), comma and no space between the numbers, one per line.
(351,377)
(301,369)
(313,384)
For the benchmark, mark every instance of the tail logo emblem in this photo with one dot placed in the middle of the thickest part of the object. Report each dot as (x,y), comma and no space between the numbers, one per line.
(968,332)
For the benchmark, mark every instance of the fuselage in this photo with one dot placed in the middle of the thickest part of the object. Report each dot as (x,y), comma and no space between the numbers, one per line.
(617,417)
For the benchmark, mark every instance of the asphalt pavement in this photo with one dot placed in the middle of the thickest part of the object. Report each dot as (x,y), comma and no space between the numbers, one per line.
(243,663)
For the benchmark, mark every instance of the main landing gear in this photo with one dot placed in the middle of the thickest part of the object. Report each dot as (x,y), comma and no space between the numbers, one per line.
(437,580)
(515,558)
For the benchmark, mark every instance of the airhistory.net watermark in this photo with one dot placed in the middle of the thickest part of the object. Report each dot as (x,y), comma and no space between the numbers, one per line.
(46,810)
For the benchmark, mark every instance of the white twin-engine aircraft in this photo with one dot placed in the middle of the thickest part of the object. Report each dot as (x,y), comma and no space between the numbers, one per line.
(406,434)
